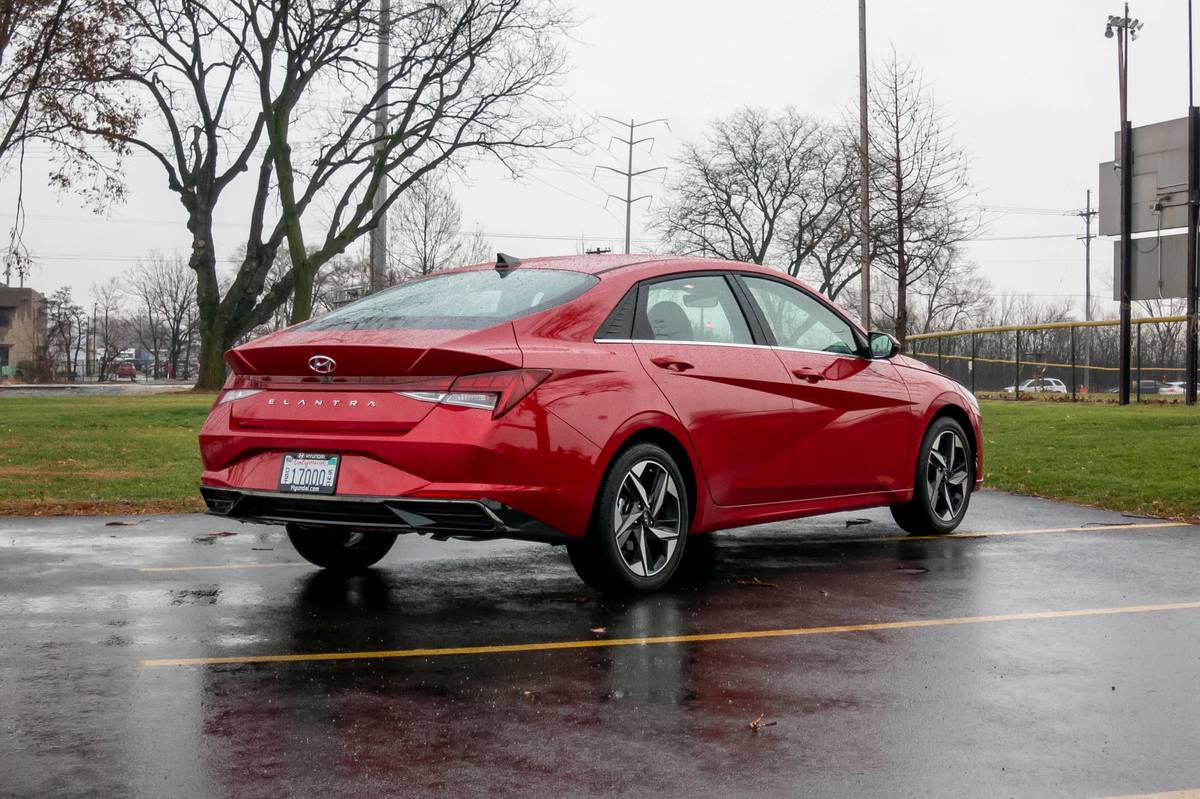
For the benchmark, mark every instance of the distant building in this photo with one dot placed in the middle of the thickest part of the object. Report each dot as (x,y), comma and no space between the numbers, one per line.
(22,329)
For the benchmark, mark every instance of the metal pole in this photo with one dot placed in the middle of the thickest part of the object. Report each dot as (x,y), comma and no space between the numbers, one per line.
(1193,223)
(972,363)
(379,232)
(864,209)
(629,189)
(1017,382)
(1126,208)
(629,174)
(1139,363)
(1087,215)
(1073,380)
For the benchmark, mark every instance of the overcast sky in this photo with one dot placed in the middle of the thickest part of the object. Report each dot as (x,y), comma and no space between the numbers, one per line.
(1029,86)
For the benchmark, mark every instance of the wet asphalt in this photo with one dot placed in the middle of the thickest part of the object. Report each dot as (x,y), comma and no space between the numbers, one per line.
(1101,703)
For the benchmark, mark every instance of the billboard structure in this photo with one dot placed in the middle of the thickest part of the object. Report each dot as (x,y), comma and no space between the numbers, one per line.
(1160,204)
(1152,188)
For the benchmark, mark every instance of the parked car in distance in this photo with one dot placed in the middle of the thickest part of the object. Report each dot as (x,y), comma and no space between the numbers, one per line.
(613,403)
(1174,388)
(127,371)
(1147,387)
(1042,384)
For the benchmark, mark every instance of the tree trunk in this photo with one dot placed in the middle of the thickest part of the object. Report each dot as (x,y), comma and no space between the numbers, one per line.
(210,375)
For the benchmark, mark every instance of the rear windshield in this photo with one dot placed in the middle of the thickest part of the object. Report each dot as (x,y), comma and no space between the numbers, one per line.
(460,301)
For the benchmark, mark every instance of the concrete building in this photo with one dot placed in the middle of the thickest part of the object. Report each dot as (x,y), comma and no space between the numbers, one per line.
(22,328)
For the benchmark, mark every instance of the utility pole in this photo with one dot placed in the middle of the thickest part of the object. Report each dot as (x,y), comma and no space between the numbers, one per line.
(1193,224)
(1086,214)
(628,172)
(1125,30)
(864,207)
(379,232)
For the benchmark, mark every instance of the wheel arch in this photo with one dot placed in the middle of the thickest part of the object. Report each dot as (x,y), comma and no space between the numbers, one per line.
(947,407)
(658,431)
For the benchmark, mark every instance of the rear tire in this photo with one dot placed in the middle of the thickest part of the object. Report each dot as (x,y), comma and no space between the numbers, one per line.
(945,476)
(639,526)
(342,551)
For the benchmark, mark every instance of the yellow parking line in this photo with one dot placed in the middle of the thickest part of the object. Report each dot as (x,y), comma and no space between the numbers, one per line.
(799,541)
(1098,528)
(1191,793)
(605,643)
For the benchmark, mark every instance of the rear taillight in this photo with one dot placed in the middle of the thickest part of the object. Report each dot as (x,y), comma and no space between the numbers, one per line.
(235,394)
(235,388)
(497,392)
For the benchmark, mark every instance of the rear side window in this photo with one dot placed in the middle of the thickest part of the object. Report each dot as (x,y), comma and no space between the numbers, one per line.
(700,308)
(459,301)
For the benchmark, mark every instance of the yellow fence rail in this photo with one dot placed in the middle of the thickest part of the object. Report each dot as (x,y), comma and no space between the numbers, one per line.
(1149,320)
(992,363)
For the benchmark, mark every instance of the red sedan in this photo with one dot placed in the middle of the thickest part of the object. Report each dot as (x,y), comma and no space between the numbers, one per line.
(615,404)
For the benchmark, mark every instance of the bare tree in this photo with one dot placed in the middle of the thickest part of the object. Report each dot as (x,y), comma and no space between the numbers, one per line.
(66,331)
(1163,342)
(821,234)
(477,247)
(733,192)
(49,52)
(950,295)
(164,290)
(1024,309)
(463,71)
(112,331)
(919,182)
(427,226)
(462,75)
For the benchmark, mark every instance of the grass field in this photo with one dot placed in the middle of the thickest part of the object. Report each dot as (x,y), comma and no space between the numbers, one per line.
(138,454)
(100,454)
(1138,459)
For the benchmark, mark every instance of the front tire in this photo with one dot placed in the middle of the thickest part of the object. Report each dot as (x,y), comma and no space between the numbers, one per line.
(342,551)
(945,475)
(639,527)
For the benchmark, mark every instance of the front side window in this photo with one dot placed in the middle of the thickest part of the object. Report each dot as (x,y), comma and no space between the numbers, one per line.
(459,300)
(700,309)
(800,321)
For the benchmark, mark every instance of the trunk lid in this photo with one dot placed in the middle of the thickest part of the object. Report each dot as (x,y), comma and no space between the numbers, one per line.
(347,381)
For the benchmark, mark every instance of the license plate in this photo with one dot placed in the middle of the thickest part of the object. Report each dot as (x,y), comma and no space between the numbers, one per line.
(308,473)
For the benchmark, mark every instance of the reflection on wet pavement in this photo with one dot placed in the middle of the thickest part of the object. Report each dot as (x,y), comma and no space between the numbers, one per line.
(1095,705)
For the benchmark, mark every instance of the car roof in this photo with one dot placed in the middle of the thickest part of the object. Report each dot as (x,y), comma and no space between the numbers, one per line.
(600,264)
(639,266)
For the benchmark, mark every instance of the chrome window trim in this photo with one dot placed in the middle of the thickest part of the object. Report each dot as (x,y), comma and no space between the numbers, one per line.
(727,344)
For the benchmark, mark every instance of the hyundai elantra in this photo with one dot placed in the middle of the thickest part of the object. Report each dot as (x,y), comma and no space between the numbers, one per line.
(616,404)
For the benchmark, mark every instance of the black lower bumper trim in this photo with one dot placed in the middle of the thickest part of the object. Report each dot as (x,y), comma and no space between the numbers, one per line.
(470,518)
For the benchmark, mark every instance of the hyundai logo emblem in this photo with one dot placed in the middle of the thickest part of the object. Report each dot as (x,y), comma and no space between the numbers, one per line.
(322,364)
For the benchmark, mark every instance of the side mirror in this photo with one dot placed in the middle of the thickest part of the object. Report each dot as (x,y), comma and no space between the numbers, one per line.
(883,345)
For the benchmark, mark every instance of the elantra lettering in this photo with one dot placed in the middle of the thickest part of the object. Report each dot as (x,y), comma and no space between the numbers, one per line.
(319,403)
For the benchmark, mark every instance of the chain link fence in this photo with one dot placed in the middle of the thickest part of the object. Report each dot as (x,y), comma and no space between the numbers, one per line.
(1075,360)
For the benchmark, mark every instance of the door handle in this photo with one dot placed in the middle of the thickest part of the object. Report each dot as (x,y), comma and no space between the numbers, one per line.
(670,364)
(809,375)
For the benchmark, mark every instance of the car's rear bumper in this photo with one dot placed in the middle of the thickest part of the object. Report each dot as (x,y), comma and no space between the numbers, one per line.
(441,518)
(529,461)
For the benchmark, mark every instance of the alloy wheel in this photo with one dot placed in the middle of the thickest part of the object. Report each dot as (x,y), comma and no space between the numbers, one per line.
(646,522)
(946,475)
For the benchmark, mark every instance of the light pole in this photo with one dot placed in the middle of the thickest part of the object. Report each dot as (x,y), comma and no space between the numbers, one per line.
(378,274)
(1124,30)
(1191,355)
(864,155)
